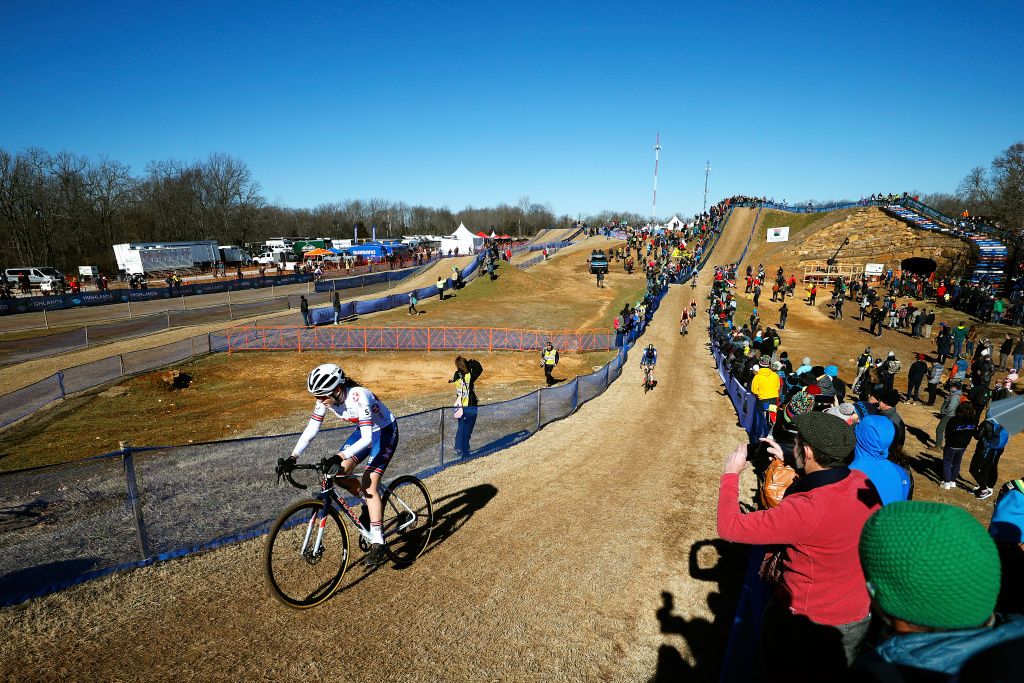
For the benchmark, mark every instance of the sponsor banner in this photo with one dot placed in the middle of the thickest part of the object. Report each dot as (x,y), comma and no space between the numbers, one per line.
(874,268)
(778,234)
(114,296)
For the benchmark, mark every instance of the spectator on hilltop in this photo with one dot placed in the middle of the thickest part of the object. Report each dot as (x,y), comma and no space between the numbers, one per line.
(1006,352)
(934,379)
(820,600)
(933,574)
(958,432)
(887,400)
(889,369)
(992,438)
(948,411)
(875,434)
(1007,529)
(915,375)
(1018,352)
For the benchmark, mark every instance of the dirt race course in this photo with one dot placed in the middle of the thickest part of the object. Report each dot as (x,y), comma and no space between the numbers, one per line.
(584,553)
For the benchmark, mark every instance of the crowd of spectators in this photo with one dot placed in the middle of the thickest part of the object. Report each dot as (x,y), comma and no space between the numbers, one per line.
(666,257)
(865,582)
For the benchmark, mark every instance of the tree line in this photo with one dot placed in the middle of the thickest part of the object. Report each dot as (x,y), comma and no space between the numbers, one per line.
(995,193)
(66,210)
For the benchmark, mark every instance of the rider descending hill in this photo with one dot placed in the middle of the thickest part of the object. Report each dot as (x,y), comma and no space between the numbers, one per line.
(375,440)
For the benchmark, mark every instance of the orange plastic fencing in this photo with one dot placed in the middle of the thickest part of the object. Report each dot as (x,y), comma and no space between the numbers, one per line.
(252,338)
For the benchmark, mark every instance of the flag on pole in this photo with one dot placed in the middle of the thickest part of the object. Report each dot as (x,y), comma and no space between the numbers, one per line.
(373,233)
(355,235)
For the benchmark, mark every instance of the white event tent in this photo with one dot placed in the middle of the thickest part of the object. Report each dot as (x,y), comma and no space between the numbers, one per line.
(674,224)
(463,240)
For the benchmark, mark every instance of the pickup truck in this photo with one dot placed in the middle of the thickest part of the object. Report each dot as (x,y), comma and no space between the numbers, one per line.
(598,262)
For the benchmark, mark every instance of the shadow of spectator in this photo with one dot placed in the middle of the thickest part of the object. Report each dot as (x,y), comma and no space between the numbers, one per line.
(927,465)
(711,560)
(919,434)
(31,582)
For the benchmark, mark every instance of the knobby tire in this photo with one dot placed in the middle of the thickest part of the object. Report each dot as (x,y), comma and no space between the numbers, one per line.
(406,545)
(284,544)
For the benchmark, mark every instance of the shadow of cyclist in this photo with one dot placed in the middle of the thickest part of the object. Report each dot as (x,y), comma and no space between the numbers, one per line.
(451,512)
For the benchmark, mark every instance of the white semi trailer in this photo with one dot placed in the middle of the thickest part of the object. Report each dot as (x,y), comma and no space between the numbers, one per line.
(145,257)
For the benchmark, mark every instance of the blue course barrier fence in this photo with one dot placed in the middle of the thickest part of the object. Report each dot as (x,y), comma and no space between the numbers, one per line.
(29,304)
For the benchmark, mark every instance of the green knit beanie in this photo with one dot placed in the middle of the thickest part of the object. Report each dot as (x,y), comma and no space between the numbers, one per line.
(930,564)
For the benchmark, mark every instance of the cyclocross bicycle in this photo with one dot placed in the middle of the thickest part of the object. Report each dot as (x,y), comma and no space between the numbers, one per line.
(307,551)
(648,383)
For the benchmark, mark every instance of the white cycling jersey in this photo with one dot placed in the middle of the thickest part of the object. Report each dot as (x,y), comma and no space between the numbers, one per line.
(360,407)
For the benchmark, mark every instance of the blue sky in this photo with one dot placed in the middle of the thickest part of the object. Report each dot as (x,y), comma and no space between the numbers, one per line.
(475,103)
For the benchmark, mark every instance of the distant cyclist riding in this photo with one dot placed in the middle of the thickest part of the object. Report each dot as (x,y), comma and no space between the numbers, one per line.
(374,442)
(648,360)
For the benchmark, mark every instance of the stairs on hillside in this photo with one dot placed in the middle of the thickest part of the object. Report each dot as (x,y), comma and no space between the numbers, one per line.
(991,262)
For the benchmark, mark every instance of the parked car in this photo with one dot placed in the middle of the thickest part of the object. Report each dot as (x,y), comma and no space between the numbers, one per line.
(37,275)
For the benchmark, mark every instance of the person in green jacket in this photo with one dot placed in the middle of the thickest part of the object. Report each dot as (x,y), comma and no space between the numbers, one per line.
(997,310)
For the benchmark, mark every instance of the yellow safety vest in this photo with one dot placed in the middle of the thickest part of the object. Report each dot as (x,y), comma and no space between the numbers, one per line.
(462,389)
(549,357)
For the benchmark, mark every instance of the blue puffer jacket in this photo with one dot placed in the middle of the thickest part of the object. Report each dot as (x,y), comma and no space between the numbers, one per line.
(871,456)
(946,651)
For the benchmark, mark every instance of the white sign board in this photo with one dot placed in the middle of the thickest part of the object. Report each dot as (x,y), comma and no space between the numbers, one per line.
(88,271)
(874,268)
(778,234)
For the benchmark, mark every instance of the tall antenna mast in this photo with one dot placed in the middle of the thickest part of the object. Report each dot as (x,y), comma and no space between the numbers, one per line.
(657,150)
(707,172)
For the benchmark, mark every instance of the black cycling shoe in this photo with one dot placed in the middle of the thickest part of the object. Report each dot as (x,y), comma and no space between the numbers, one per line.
(375,557)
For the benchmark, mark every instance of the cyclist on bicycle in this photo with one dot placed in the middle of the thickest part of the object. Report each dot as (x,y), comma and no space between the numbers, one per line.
(648,360)
(373,442)
(684,320)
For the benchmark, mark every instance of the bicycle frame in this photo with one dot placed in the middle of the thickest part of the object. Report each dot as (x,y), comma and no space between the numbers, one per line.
(329,496)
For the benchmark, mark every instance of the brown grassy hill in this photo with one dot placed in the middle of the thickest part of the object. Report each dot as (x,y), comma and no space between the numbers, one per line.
(875,237)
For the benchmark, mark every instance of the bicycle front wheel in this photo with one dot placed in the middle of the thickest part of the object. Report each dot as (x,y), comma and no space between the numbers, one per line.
(408,518)
(306,554)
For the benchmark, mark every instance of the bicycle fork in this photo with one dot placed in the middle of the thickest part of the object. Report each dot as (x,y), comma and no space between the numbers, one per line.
(319,521)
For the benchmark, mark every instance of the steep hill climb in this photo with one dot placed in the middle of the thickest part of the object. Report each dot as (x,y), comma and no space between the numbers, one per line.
(585,553)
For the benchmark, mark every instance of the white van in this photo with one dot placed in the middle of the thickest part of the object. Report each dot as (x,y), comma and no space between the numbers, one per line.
(36,275)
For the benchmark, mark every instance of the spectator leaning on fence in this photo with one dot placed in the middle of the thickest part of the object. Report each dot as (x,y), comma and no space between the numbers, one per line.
(819,587)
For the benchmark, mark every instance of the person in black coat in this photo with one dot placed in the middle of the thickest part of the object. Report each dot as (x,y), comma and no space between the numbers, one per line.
(915,375)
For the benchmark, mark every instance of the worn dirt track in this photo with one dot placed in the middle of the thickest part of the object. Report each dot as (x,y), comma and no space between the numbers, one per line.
(576,555)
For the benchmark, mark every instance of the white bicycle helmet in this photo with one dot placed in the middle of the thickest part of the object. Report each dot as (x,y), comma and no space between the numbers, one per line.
(324,379)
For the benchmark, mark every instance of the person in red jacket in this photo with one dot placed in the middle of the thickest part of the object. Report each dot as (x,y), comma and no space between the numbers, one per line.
(815,623)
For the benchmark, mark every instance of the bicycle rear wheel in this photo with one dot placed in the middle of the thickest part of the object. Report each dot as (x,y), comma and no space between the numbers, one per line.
(408,518)
(297,575)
